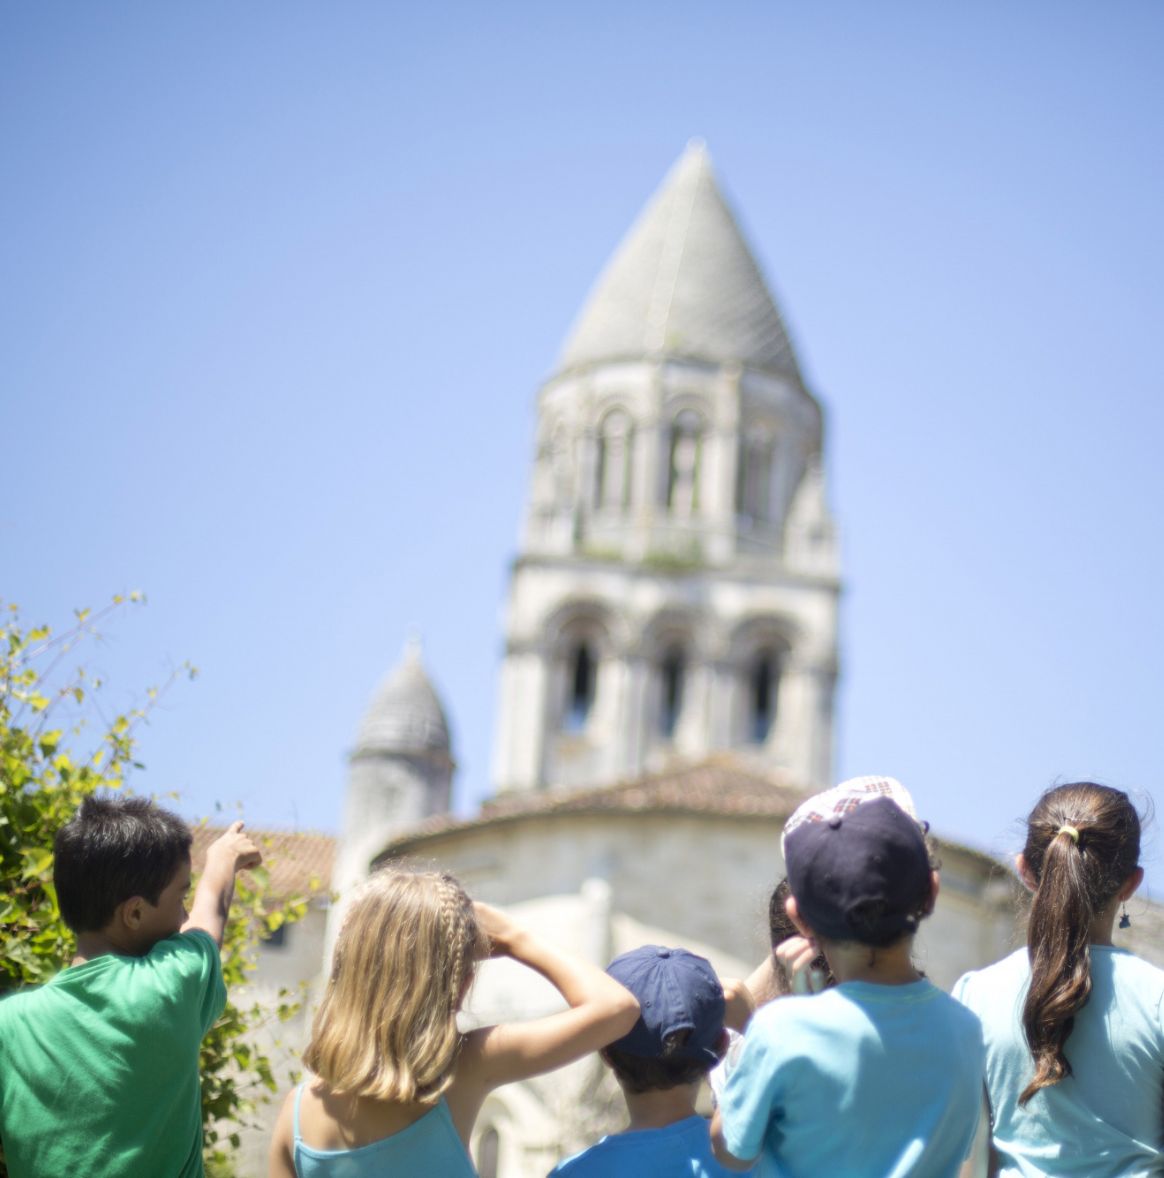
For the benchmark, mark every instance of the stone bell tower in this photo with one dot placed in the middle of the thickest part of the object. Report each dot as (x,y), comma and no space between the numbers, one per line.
(675,593)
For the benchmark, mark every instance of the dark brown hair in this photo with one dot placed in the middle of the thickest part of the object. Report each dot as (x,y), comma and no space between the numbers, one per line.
(637,1073)
(781,928)
(1083,841)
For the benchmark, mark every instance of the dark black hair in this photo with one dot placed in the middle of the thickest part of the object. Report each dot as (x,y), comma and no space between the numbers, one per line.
(111,849)
(780,928)
(637,1073)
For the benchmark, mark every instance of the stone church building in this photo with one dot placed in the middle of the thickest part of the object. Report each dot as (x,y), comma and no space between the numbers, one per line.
(670,657)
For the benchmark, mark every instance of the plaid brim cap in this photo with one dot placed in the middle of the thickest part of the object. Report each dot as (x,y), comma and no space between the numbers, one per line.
(860,876)
(844,799)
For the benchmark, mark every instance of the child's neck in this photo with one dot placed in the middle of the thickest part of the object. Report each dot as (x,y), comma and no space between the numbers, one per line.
(891,966)
(100,944)
(661,1107)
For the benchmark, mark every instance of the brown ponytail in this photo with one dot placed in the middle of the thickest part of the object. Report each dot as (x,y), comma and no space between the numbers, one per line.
(1083,841)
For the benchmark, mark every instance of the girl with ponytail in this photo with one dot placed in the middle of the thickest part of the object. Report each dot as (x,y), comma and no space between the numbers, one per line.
(395,1087)
(1074,1027)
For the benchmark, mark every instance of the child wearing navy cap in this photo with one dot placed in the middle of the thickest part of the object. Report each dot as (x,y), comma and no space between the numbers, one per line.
(882,1074)
(659,1065)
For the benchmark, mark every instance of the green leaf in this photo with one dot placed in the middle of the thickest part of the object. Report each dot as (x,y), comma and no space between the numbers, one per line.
(37,861)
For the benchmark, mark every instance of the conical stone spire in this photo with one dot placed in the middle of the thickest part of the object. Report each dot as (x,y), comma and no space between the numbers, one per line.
(406,715)
(683,283)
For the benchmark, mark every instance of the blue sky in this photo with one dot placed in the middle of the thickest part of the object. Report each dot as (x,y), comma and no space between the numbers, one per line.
(282,281)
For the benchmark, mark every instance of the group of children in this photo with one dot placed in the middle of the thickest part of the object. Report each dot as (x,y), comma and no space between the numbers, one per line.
(836,1057)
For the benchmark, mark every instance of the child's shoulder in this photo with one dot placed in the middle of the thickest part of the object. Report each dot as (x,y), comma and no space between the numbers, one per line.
(20,1005)
(683,1146)
(959,1016)
(1006,974)
(1125,962)
(194,942)
(1121,972)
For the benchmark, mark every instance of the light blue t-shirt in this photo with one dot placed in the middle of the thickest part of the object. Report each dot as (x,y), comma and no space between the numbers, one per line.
(429,1145)
(681,1150)
(862,1080)
(1107,1118)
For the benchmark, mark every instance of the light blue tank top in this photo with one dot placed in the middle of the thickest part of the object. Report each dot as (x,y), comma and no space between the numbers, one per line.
(429,1146)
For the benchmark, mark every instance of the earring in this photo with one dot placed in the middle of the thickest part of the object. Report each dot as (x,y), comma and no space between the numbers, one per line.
(1125,919)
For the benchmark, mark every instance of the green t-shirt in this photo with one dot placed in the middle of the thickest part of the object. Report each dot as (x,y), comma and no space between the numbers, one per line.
(99,1068)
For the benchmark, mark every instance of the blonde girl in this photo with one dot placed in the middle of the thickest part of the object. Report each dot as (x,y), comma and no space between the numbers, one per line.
(1074,1027)
(394,1086)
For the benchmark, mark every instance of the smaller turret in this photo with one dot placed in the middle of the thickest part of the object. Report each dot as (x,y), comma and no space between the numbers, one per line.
(400,770)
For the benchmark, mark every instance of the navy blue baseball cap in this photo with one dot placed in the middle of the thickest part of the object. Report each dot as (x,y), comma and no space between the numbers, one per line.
(861,876)
(677,991)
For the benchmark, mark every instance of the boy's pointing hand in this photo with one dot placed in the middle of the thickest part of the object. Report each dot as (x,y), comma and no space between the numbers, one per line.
(235,849)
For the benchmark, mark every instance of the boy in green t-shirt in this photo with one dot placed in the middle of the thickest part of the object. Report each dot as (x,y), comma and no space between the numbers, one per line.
(99,1068)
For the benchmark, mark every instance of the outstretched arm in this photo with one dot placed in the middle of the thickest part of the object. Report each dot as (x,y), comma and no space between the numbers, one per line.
(600,1011)
(225,857)
(739,1002)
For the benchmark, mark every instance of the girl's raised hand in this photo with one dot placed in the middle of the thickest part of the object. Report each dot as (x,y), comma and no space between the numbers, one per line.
(796,956)
(501,930)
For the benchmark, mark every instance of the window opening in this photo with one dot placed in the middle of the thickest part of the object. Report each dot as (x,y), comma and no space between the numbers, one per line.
(276,938)
(613,471)
(581,694)
(683,475)
(672,701)
(754,480)
(763,698)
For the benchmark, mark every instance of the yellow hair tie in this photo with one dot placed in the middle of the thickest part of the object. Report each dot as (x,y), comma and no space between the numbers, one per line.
(1065,829)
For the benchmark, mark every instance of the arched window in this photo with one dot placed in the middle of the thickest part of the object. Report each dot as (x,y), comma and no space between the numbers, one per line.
(671,674)
(763,686)
(488,1148)
(612,480)
(754,479)
(579,688)
(683,472)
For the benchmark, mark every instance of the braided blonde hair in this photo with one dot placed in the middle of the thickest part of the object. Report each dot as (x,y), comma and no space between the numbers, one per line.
(386,1027)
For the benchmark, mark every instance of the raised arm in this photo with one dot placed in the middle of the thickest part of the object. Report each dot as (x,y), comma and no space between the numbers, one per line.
(230,853)
(600,1011)
(739,1002)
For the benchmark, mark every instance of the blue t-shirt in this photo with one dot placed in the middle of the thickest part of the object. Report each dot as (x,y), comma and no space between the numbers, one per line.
(681,1150)
(1107,1117)
(858,1081)
(429,1146)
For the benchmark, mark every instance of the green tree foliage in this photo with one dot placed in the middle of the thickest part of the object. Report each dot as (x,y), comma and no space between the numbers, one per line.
(52,756)
(238,1076)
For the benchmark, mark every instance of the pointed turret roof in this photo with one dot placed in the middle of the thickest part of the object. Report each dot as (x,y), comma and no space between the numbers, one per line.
(406,715)
(683,282)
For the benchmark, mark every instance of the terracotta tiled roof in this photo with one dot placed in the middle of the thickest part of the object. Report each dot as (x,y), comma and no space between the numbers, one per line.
(299,864)
(721,785)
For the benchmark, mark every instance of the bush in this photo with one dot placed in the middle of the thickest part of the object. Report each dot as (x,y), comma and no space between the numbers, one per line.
(50,760)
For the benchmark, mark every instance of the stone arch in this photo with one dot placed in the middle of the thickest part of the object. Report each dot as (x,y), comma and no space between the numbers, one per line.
(760,650)
(614,460)
(579,637)
(756,472)
(685,435)
(511,1121)
(670,646)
